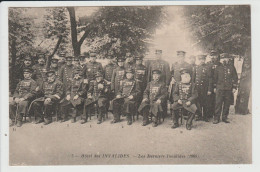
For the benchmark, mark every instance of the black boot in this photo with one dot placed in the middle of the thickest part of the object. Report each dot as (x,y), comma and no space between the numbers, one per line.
(175,125)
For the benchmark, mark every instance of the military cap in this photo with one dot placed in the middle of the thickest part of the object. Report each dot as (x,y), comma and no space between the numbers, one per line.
(224,55)
(62,54)
(156,71)
(128,54)
(30,70)
(69,57)
(54,60)
(82,57)
(184,70)
(27,57)
(129,70)
(49,72)
(77,71)
(99,74)
(158,51)
(76,58)
(140,57)
(92,54)
(41,55)
(181,52)
(120,59)
(213,52)
(202,56)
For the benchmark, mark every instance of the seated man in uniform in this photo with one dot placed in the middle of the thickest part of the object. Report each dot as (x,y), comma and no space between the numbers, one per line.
(98,95)
(23,95)
(154,96)
(52,91)
(184,97)
(74,97)
(125,101)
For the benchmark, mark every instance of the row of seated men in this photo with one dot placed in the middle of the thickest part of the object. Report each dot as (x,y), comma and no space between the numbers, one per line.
(127,91)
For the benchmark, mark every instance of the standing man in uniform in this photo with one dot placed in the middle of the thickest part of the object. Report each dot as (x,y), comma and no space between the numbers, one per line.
(162,65)
(23,95)
(108,69)
(117,76)
(213,63)
(62,60)
(154,97)
(52,91)
(40,70)
(125,101)
(82,62)
(140,72)
(203,80)
(225,80)
(129,62)
(91,68)
(66,72)
(54,67)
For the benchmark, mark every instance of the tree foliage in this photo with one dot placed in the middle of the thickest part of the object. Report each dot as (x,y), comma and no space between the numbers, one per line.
(226,28)
(118,30)
(21,33)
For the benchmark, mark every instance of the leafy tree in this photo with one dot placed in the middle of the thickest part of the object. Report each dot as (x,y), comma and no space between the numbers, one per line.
(116,30)
(227,29)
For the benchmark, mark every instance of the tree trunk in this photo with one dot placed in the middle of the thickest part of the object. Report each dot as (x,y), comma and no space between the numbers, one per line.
(73,26)
(244,87)
(48,61)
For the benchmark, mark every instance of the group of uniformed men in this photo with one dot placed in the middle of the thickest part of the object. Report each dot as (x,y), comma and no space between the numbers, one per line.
(126,87)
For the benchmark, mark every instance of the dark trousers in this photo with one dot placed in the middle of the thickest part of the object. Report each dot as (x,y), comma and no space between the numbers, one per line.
(126,106)
(20,108)
(66,108)
(203,104)
(223,101)
(38,108)
(177,114)
(211,104)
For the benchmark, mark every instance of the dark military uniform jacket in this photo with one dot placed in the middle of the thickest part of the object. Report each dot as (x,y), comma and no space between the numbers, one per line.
(141,75)
(108,71)
(91,69)
(185,93)
(96,92)
(130,87)
(176,67)
(39,72)
(129,65)
(225,77)
(25,89)
(52,90)
(153,92)
(57,72)
(66,74)
(163,66)
(117,77)
(203,78)
(76,87)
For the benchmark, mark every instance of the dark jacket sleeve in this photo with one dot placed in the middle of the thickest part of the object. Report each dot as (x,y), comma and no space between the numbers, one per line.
(215,78)
(83,89)
(234,78)
(168,74)
(91,88)
(194,94)
(176,95)
(210,79)
(164,92)
(137,90)
(113,80)
(59,89)
(16,92)
(146,91)
(68,89)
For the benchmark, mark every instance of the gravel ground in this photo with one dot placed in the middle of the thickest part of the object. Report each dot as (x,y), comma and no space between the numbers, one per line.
(90,143)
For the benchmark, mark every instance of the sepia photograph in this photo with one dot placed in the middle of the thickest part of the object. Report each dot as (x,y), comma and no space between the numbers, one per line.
(129,85)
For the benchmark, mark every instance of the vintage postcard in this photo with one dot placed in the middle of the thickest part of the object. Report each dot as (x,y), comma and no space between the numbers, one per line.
(127,83)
